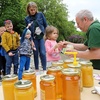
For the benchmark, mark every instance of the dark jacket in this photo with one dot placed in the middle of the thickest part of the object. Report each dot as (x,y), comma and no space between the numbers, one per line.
(26,48)
(40,19)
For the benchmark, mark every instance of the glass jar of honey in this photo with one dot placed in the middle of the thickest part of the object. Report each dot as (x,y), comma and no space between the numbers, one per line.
(23,90)
(57,63)
(56,71)
(77,67)
(8,86)
(87,73)
(71,84)
(47,87)
(67,61)
(30,75)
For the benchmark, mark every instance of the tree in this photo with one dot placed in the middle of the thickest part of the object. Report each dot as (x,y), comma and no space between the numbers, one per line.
(11,9)
(55,12)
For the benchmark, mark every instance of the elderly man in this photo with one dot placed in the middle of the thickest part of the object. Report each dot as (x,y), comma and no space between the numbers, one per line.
(91,48)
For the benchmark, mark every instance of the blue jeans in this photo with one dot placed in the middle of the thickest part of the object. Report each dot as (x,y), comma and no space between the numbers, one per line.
(12,60)
(40,51)
(24,63)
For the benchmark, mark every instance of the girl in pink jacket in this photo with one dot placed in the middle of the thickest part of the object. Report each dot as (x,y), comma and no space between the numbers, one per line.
(53,48)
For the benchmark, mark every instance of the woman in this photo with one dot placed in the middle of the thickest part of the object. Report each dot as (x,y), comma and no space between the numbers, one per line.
(37,29)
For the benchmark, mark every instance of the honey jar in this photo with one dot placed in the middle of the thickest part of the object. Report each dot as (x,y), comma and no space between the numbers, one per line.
(30,75)
(77,67)
(23,90)
(87,73)
(8,86)
(57,63)
(56,71)
(67,61)
(71,84)
(47,87)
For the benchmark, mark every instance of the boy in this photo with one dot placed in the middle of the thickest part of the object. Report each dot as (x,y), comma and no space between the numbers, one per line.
(10,43)
(25,51)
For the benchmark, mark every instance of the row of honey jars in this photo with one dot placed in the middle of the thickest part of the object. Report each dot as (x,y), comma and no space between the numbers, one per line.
(8,82)
(30,75)
(56,71)
(71,84)
(87,73)
(47,87)
(77,67)
(23,90)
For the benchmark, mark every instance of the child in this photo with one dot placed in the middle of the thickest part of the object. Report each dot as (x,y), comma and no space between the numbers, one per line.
(25,52)
(10,43)
(2,58)
(53,48)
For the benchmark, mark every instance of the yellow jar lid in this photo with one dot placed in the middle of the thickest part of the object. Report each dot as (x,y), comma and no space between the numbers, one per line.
(9,77)
(70,71)
(47,77)
(55,68)
(30,71)
(23,84)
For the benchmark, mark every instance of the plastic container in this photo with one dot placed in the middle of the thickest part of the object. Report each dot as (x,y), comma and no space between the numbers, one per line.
(30,75)
(56,71)
(23,90)
(8,86)
(87,73)
(47,87)
(71,84)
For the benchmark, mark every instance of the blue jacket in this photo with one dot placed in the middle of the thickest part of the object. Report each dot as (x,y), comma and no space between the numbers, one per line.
(40,19)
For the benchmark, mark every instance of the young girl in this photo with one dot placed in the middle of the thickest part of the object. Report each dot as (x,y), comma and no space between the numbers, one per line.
(53,48)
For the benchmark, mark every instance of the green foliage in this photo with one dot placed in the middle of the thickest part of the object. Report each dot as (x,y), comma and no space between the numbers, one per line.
(12,10)
(76,39)
(55,11)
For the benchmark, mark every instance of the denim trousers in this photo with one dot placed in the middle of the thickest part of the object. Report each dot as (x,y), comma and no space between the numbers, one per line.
(12,60)
(24,65)
(40,52)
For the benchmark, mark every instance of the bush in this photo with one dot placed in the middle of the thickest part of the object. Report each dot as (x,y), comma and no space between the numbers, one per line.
(76,39)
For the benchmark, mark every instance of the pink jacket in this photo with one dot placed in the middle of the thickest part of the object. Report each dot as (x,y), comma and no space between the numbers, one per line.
(51,53)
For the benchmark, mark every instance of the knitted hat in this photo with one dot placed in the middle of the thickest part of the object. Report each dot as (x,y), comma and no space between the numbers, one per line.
(28,32)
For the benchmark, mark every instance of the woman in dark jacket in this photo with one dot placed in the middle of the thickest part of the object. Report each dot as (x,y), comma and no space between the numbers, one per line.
(37,32)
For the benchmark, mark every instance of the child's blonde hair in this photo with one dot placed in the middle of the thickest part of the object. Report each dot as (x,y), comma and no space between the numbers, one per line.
(2,30)
(49,30)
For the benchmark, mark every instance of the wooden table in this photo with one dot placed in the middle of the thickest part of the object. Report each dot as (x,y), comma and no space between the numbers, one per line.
(85,94)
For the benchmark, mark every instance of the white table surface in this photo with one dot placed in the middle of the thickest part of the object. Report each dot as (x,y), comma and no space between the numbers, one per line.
(85,94)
